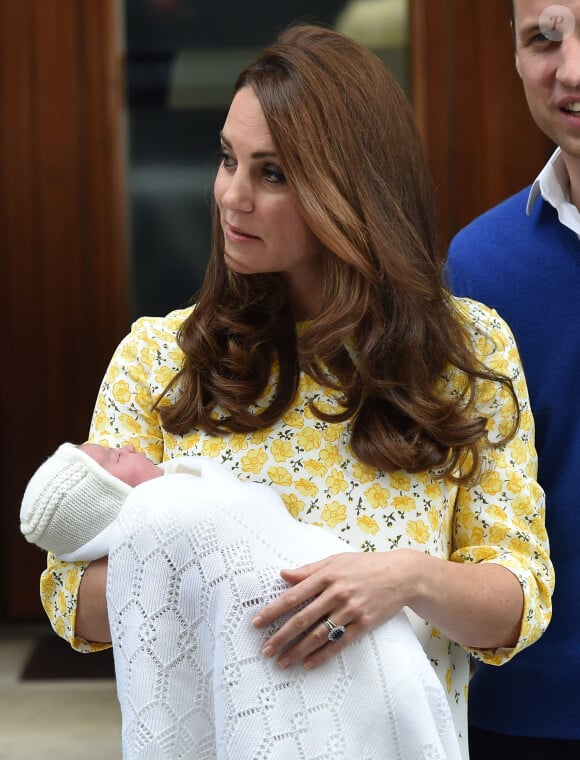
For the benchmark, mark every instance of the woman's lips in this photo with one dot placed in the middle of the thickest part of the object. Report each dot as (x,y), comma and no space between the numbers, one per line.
(236,235)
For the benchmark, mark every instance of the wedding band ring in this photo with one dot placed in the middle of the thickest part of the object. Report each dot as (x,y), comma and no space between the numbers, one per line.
(335,632)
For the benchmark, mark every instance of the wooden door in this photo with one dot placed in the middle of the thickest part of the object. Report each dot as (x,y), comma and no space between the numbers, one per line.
(62,246)
(481,141)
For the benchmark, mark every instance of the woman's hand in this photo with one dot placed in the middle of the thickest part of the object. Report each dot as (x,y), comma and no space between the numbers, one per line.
(477,605)
(356,590)
(92,622)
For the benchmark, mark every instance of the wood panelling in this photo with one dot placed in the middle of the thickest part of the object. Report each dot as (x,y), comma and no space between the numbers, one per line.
(481,142)
(63,282)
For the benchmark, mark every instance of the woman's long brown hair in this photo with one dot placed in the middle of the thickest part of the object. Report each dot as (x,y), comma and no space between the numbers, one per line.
(351,153)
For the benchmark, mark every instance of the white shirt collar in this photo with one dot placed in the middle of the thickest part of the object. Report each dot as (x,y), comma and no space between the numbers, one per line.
(553,183)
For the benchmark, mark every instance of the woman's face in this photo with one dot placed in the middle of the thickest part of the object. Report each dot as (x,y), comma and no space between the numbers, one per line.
(261,221)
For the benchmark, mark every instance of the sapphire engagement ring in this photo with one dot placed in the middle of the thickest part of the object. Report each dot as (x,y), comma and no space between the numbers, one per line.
(335,632)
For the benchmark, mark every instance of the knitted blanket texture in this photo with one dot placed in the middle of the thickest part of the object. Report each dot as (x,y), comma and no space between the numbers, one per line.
(193,560)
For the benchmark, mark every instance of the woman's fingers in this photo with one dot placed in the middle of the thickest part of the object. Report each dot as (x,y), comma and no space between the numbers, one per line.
(308,583)
(317,646)
(298,631)
(342,596)
(324,591)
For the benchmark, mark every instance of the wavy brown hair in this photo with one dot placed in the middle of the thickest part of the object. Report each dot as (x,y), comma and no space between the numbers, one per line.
(351,153)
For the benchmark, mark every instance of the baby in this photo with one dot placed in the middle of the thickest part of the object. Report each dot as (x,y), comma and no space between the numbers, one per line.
(71,503)
(193,553)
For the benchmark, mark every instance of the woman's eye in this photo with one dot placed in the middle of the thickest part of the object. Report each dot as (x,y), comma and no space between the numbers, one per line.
(274,175)
(226,159)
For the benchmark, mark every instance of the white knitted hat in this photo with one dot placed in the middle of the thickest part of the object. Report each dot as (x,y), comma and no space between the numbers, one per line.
(69,500)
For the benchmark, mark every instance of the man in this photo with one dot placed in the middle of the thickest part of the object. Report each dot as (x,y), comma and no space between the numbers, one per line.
(523,258)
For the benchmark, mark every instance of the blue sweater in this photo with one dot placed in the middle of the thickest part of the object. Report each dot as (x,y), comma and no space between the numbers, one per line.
(528,269)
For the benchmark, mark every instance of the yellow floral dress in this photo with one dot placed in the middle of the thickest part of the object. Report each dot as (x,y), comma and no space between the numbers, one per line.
(310,463)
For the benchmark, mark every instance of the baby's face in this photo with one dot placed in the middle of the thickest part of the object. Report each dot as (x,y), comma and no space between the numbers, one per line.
(126,464)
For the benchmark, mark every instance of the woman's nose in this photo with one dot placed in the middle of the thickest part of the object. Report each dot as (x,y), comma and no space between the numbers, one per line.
(238,194)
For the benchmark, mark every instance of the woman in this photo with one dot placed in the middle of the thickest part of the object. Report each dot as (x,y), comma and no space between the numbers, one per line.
(325,357)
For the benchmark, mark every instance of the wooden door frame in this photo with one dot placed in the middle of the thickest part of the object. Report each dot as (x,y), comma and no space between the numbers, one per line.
(62,228)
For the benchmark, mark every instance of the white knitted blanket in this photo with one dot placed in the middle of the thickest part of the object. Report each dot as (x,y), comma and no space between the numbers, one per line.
(193,560)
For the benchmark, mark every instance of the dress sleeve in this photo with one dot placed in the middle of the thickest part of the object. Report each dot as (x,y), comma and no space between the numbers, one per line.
(144,362)
(501,519)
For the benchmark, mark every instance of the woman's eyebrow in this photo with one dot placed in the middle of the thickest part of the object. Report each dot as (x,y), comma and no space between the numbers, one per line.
(255,154)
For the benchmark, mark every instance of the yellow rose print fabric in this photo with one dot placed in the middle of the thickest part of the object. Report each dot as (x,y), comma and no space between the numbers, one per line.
(310,463)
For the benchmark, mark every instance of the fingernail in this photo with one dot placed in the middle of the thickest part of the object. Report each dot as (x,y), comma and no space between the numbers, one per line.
(267,651)
(283,663)
(257,621)
(308,666)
